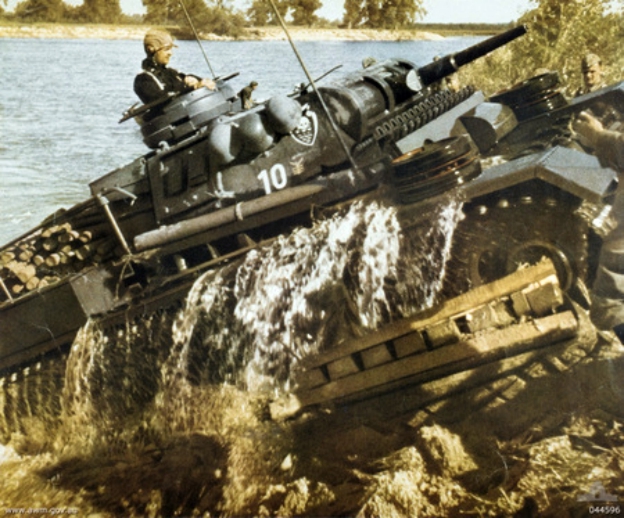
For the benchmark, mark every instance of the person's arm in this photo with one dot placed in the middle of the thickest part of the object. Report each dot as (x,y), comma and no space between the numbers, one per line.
(197,82)
(148,88)
(608,145)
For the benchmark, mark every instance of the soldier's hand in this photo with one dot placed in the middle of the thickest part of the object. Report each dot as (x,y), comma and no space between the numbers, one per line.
(588,128)
(208,83)
(192,81)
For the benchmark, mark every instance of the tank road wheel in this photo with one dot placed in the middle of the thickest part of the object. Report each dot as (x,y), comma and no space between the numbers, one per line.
(495,239)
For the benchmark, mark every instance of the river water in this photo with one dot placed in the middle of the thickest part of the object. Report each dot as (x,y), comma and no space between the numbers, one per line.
(62,99)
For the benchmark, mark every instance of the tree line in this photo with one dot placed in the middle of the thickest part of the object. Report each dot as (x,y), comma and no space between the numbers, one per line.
(560,33)
(220,16)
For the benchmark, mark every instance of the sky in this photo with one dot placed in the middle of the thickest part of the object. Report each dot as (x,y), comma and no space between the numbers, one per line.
(449,11)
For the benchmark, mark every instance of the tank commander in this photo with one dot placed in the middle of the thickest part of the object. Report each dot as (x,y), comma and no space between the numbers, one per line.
(608,289)
(591,68)
(156,79)
(245,95)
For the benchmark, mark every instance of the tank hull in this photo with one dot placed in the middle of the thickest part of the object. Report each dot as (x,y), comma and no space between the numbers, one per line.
(219,182)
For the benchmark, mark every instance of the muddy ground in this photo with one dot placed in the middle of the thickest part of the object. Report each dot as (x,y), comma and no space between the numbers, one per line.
(543,440)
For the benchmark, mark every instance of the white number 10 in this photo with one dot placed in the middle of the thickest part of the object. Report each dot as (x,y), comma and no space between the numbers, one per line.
(275,180)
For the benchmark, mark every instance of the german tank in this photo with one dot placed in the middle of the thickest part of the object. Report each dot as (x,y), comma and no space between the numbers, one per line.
(219,180)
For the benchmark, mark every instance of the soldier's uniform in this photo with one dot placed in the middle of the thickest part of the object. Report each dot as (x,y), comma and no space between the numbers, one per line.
(591,64)
(245,95)
(608,288)
(155,81)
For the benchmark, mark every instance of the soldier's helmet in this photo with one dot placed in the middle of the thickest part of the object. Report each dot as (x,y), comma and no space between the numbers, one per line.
(589,61)
(156,39)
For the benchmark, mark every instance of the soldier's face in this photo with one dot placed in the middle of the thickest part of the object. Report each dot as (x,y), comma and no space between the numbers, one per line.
(592,75)
(163,55)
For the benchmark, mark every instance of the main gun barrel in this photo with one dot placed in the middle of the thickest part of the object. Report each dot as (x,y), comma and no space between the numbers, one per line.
(450,63)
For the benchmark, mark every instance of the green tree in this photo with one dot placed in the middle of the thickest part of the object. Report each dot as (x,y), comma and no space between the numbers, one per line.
(99,11)
(353,13)
(383,14)
(402,13)
(166,12)
(303,11)
(40,10)
(559,35)
(216,18)
(261,13)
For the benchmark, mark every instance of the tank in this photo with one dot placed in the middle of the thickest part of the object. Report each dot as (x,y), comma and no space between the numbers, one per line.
(217,181)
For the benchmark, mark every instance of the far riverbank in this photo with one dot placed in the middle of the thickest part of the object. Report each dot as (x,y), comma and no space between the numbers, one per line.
(136,32)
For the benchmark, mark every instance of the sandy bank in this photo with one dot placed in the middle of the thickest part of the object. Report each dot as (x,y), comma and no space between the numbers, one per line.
(136,32)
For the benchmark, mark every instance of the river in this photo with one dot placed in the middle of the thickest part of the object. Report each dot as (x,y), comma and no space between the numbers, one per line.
(62,100)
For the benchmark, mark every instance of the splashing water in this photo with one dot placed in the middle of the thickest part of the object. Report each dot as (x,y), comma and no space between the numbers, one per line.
(202,372)
(253,322)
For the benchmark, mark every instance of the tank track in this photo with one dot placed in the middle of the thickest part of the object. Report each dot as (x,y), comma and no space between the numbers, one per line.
(32,399)
(499,234)
(461,342)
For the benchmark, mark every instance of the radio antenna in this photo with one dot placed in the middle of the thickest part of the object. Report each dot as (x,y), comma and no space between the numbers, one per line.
(190,21)
(313,84)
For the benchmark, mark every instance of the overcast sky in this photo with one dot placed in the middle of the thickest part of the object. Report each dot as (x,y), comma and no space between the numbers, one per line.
(450,11)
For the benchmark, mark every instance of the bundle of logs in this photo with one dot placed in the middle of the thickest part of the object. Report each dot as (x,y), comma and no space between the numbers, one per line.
(49,255)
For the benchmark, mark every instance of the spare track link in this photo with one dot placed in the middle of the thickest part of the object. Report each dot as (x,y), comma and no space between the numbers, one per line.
(510,317)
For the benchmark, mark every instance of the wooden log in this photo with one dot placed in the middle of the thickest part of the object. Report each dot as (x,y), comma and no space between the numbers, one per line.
(56,230)
(85,251)
(32,283)
(66,256)
(48,280)
(69,236)
(25,272)
(6,257)
(17,289)
(25,254)
(38,260)
(86,236)
(97,230)
(13,267)
(47,232)
(50,244)
(53,260)
(43,283)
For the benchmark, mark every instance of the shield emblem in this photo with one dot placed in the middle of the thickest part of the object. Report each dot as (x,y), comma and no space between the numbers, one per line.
(305,133)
